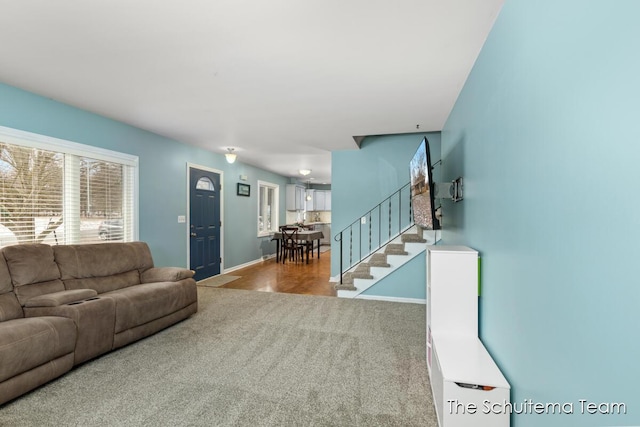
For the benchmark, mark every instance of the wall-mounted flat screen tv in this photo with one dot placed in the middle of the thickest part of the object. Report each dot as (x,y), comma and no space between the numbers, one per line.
(422,196)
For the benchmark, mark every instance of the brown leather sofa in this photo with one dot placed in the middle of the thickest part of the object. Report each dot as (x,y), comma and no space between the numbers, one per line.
(64,305)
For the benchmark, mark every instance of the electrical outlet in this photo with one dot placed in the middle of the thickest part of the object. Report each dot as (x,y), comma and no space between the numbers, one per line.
(363,220)
(182,218)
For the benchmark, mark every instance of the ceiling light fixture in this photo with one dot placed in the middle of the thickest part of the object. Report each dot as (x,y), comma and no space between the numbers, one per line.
(304,172)
(231,156)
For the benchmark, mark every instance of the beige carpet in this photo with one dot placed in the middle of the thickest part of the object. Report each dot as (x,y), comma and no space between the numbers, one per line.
(216,281)
(252,359)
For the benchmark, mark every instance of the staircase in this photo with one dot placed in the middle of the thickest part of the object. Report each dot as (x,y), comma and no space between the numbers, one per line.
(383,262)
(379,242)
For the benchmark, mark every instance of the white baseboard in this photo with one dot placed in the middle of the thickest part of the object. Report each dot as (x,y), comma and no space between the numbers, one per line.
(392,299)
(250,263)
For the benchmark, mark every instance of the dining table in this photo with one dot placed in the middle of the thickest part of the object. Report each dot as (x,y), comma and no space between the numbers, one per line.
(308,236)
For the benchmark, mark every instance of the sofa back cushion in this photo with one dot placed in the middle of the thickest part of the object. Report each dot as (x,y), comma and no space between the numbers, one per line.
(33,270)
(104,267)
(9,305)
(5,277)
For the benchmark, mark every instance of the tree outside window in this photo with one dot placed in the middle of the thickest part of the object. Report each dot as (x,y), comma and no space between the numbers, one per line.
(31,185)
(56,197)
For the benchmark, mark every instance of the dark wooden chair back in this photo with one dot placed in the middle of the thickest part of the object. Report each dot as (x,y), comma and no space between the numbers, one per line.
(290,245)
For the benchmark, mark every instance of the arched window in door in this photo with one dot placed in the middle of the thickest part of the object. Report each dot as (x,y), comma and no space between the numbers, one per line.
(205,183)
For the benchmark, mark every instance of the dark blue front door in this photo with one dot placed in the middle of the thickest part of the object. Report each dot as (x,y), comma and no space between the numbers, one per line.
(204,221)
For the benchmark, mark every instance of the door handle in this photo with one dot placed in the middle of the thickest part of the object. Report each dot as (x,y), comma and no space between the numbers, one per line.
(193,235)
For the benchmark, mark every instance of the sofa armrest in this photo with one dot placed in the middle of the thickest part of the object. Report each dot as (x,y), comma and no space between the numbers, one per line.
(60,298)
(165,274)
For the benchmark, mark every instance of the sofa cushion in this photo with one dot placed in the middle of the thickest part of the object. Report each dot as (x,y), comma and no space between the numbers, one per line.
(104,266)
(9,306)
(28,343)
(5,277)
(140,304)
(31,263)
(105,284)
(166,274)
(33,270)
(60,298)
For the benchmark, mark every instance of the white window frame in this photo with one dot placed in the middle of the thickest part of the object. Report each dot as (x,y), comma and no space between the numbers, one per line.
(275,213)
(43,142)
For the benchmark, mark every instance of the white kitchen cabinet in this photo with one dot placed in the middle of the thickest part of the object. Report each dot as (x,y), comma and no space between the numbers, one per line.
(318,200)
(295,197)
(310,202)
(468,387)
(326,232)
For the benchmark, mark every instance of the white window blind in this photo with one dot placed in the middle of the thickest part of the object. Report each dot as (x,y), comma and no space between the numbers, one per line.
(57,192)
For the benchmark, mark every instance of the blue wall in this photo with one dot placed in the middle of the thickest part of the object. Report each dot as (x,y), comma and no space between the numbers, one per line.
(360,179)
(163,176)
(408,281)
(546,135)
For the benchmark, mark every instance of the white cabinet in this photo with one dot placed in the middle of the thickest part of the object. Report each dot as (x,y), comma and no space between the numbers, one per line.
(299,197)
(452,290)
(318,200)
(295,197)
(326,232)
(468,387)
(310,201)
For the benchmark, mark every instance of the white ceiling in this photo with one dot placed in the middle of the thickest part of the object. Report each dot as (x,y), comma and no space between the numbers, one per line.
(284,82)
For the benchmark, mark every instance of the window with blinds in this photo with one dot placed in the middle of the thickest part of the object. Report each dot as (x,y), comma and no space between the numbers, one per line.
(57,192)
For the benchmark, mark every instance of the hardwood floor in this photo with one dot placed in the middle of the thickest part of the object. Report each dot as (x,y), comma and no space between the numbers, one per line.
(290,277)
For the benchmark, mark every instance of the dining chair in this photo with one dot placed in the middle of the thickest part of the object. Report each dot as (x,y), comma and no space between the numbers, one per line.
(290,246)
(281,243)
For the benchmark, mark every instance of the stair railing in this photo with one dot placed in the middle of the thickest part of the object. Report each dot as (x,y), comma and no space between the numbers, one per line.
(376,228)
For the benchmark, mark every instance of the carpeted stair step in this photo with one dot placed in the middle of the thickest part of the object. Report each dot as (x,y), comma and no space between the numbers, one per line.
(395,249)
(379,260)
(347,279)
(413,238)
(345,286)
(362,271)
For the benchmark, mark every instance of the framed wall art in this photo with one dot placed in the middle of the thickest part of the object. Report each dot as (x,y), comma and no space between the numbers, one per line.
(244,189)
